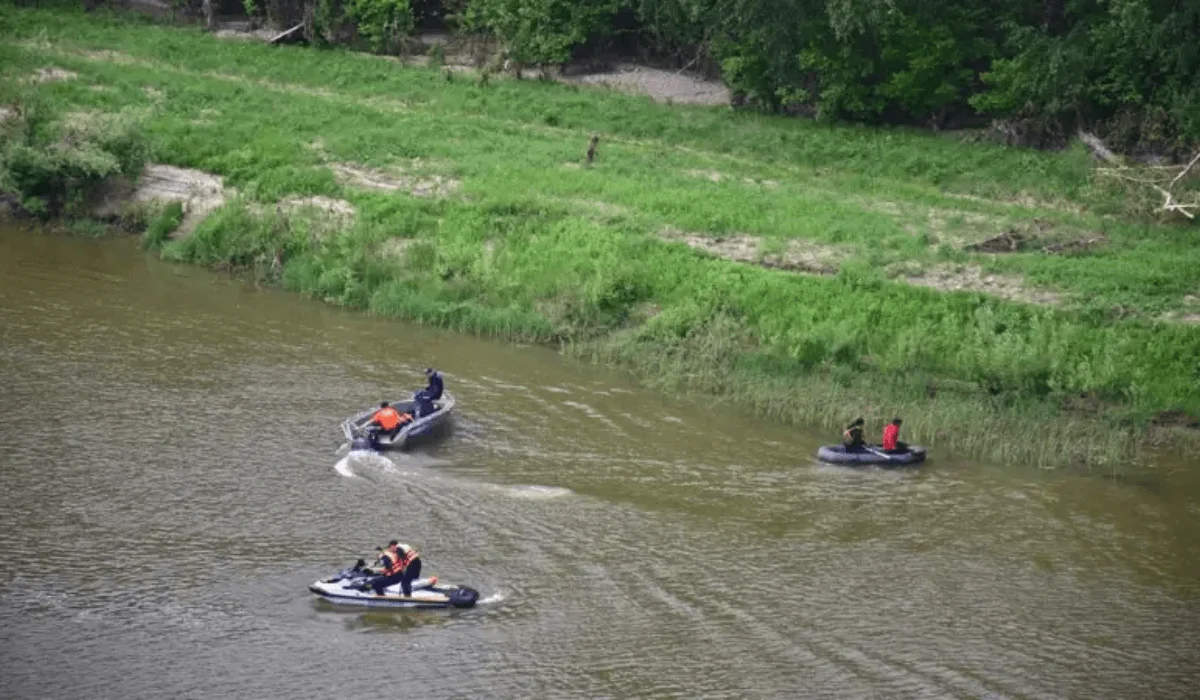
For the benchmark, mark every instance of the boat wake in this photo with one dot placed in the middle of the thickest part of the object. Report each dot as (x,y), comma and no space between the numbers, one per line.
(347,466)
(533,492)
(493,598)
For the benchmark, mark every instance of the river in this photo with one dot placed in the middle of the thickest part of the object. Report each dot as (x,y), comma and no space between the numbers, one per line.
(170,483)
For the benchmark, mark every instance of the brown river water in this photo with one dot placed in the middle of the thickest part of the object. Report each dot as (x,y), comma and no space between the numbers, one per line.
(170,484)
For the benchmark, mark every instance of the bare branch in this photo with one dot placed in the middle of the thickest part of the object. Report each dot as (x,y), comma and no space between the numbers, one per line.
(1097,147)
(1169,202)
(1185,169)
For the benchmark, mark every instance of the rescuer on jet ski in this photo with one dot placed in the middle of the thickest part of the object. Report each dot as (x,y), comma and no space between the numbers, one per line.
(398,563)
(388,420)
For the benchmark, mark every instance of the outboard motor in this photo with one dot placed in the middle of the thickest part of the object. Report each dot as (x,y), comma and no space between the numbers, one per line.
(422,404)
(362,442)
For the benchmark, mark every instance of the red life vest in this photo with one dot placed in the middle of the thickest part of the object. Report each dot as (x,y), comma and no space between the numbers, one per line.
(890,433)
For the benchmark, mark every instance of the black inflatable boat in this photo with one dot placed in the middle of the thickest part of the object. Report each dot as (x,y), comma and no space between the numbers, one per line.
(871,455)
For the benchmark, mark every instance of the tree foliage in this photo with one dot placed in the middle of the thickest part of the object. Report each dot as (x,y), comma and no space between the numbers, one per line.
(1129,68)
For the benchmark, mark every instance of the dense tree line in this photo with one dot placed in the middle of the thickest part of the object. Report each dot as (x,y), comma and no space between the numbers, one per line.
(1128,69)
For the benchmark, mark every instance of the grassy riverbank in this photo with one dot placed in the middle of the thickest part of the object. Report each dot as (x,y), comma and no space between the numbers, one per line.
(468,206)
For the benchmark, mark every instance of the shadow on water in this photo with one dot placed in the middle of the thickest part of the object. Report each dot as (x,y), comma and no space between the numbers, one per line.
(355,619)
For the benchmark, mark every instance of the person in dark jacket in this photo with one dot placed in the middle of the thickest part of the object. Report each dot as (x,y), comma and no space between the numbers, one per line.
(434,390)
(423,399)
(852,438)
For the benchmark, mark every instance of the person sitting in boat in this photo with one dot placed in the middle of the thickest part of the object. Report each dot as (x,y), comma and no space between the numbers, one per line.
(398,563)
(852,438)
(434,390)
(891,433)
(388,421)
(423,399)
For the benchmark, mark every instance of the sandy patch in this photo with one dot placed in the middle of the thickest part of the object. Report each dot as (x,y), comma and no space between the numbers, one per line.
(6,113)
(201,193)
(45,75)
(661,85)
(1022,200)
(795,256)
(955,278)
(710,175)
(606,209)
(717,176)
(338,208)
(394,179)
(117,57)
(246,34)
(153,93)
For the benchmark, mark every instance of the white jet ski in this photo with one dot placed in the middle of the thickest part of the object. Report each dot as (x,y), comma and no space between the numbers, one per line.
(351,586)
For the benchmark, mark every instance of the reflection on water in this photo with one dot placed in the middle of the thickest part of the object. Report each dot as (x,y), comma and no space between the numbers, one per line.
(169,486)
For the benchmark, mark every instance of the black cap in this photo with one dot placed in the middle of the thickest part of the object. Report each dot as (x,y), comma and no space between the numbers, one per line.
(393,543)
(428,370)
(383,404)
(897,421)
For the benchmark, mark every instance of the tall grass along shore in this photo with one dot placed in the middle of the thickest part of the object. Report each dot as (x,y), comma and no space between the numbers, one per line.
(996,298)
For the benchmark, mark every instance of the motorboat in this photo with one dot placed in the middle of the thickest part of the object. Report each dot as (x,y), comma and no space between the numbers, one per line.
(361,435)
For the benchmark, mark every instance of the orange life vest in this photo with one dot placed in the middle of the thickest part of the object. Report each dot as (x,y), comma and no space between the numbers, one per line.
(401,555)
(387,418)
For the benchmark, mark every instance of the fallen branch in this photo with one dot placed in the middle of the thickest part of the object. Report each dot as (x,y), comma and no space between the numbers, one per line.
(1185,170)
(1097,147)
(288,35)
(1170,203)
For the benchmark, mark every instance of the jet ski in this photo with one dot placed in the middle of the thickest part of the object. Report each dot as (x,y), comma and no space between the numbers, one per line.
(351,586)
(359,433)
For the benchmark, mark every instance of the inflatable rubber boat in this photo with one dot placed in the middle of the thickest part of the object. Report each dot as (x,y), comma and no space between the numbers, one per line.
(360,438)
(871,455)
(351,586)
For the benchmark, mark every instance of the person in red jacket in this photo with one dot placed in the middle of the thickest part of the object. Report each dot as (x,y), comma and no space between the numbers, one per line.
(891,433)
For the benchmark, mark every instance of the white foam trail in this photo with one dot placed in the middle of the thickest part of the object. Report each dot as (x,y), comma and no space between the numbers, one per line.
(535,492)
(364,457)
(343,467)
(493,598)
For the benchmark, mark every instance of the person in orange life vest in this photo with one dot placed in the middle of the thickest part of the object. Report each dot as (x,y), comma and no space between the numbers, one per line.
(890,434)
(399,563)
(389,420)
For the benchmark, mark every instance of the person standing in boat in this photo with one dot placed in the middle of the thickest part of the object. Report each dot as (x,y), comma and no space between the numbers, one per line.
(852,438)
(891,434)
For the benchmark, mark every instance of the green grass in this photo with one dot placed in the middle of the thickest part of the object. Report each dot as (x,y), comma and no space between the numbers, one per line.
(533,247)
